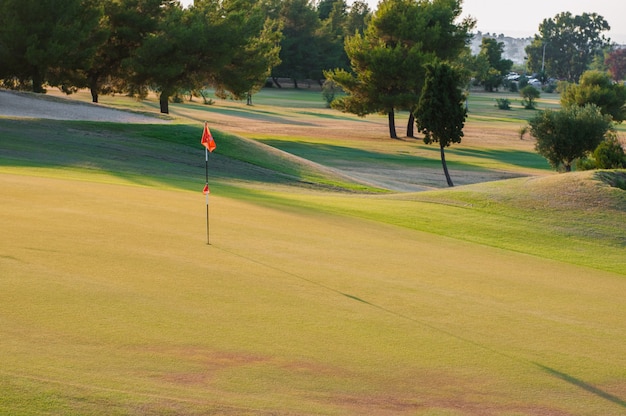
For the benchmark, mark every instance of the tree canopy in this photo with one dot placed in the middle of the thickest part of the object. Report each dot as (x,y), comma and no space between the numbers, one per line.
(596,87)
(133,45)
(48,41)
(388,60)
(489,66)
(127,23)
(566,45)
(568,134)
(440,114)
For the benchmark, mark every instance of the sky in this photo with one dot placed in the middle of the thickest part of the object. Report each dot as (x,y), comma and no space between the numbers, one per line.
(522,19)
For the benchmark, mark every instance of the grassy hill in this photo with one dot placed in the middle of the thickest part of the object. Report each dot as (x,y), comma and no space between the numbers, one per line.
(319,293)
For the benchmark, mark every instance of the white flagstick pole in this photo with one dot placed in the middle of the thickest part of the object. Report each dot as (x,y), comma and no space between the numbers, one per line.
(206,153)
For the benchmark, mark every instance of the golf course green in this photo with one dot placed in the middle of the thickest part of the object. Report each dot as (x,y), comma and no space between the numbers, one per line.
(342,276)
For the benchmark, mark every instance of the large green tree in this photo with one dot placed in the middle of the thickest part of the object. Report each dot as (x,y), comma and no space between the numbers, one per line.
(251,64)
(193,47)
(128,23)
(568,134)
(566,45)
(387,61)
(48,41)
(330,38)
(490,68)
(165,56)
(440,114)
(299,47)
(597,88)
(358,18)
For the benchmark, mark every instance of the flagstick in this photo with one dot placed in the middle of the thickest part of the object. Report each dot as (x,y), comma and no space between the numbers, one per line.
(206,158)
(207,220)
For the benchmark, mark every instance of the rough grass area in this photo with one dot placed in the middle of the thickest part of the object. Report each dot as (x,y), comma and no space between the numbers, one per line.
(616,178)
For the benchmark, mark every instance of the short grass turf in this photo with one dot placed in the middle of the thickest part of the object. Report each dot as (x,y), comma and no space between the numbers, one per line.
(111,298)
(306,303)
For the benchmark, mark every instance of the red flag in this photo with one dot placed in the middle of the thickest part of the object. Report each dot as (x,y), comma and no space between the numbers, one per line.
(206,189)
(207,139)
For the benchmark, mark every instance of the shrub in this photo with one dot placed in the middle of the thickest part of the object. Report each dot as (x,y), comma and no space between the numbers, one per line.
(586,163)
(522,132)
(503,103)
(610,154)
(529,94)
(522,82)
(330,89)
(550,88)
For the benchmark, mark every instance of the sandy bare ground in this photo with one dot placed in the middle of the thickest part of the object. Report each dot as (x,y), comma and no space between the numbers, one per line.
(29,105)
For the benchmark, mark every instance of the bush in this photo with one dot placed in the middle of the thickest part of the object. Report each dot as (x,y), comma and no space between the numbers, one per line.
(330,89)
(503,103)
(569,134)
(610,154)
(529,94)
(522,132)
(522,82)
(549,88)
(586,163)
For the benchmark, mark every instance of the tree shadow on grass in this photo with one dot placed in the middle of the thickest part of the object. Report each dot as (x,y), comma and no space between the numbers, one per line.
(511,157)
(252,114)
(583,385)
(329,154)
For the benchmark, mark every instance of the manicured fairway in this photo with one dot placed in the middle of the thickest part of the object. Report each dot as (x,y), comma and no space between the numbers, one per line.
(111,299)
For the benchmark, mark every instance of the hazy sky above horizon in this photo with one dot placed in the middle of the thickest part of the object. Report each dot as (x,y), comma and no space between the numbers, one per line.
(522,19)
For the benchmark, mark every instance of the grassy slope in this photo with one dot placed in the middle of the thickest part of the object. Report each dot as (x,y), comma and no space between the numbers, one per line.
(99,277)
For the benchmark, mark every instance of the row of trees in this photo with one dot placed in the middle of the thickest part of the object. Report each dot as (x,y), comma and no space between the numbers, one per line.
(233,45)
(565,47)
(130,45)
(115,46)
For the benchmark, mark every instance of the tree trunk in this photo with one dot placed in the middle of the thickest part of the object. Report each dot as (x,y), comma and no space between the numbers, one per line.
(93,88)
(295,83)
(445,166)
(164,102)
(249,98)
(568,167)
(276,82)
(392,125)
(410,127)
(38,82)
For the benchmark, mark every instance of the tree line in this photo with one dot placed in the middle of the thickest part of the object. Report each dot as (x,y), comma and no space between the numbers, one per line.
(130,46)
(115,46)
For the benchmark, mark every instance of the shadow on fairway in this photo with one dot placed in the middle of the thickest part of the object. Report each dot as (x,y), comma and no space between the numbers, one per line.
(328,154)
(585,386)
(334,116)
(249,113)
(511,157)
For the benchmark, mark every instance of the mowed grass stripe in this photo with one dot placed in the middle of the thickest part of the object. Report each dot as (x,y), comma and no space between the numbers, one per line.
(286,312)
